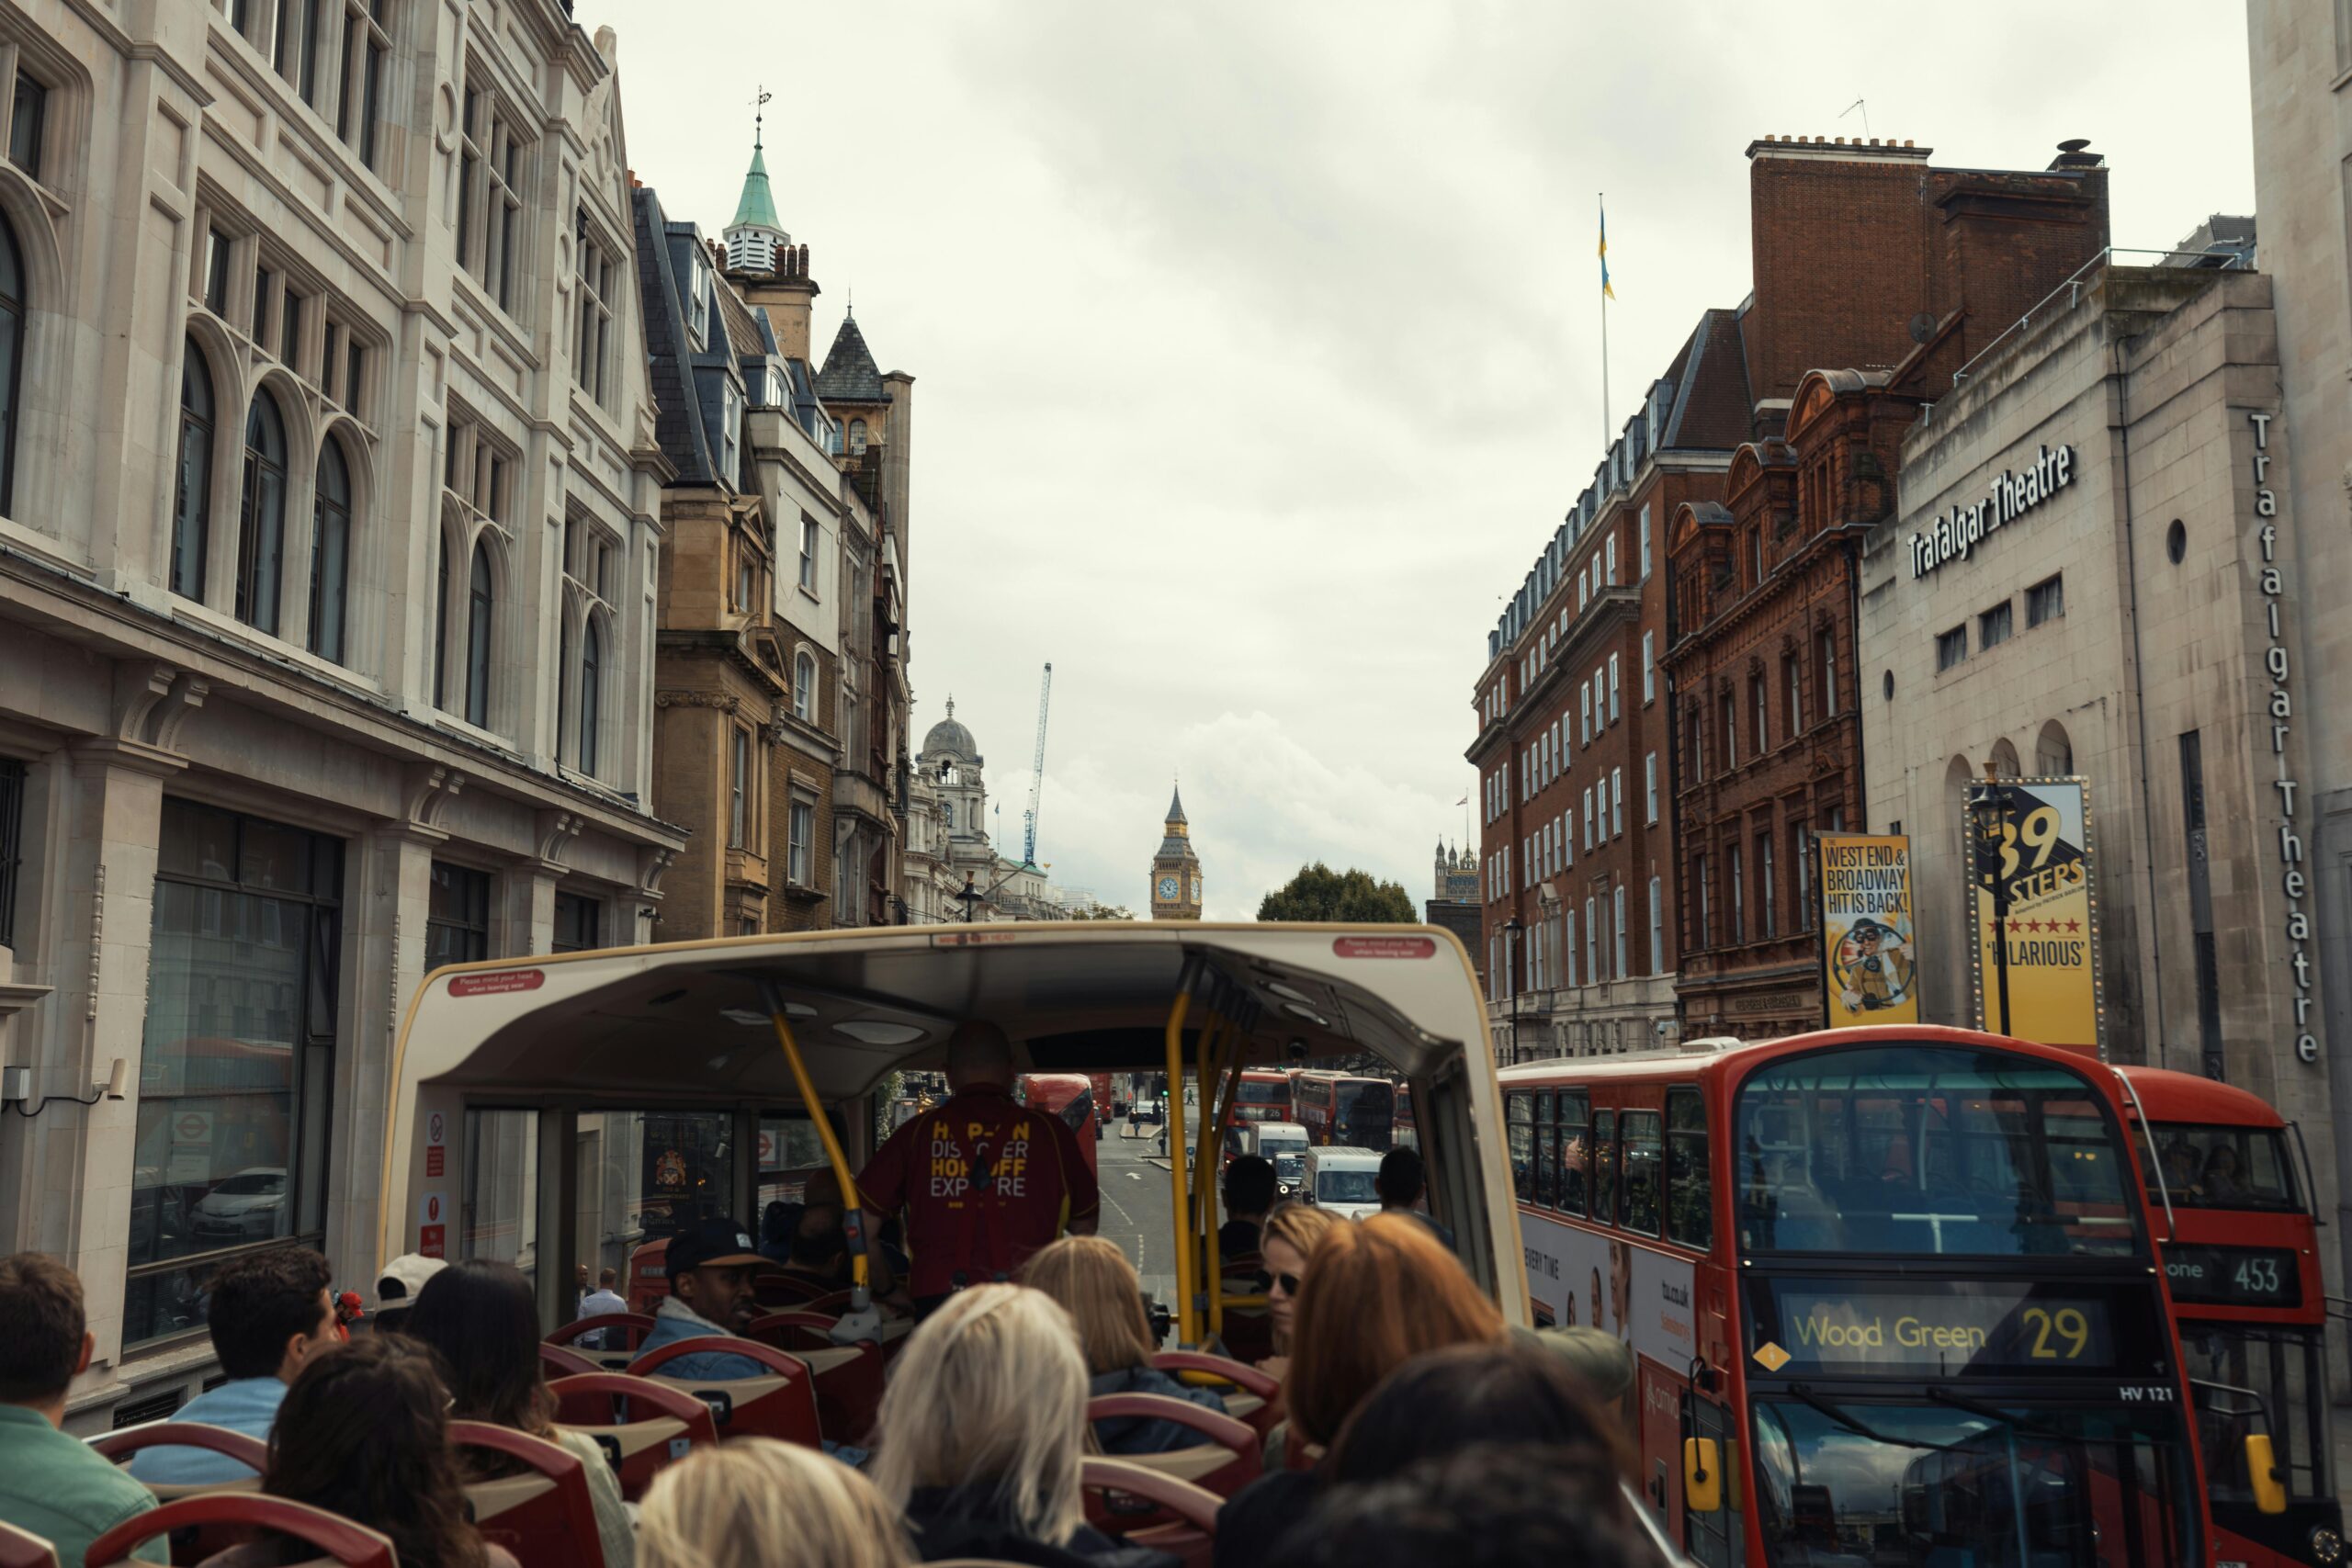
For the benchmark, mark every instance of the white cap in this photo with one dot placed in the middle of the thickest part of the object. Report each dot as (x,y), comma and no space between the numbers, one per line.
(403,1276)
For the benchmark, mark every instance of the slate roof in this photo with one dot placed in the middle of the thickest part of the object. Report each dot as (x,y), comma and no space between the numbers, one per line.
(850,374)
(689,383)
(1176,807)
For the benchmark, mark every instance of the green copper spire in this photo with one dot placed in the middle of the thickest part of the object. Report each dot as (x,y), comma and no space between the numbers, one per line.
(758,207)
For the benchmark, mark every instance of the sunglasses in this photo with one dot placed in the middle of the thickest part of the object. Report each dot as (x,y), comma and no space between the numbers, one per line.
(1268,1280)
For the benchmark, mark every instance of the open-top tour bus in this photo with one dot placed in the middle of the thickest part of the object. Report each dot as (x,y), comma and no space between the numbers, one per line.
(567,1110)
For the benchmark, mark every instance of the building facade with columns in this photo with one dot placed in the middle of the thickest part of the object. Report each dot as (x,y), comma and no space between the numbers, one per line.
(332,458)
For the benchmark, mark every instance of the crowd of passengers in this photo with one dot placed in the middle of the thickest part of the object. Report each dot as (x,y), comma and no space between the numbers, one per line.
(1414,1425)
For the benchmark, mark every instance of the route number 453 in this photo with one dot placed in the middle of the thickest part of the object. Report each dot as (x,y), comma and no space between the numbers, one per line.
(2257,1276)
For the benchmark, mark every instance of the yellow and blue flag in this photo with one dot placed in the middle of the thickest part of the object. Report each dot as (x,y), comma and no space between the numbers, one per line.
(1604,254)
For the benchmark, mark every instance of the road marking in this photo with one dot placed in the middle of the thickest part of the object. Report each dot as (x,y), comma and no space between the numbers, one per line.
(1135,1176)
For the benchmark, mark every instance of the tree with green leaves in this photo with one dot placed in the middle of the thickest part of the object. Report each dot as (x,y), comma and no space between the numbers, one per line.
(1319,893)
(1102,912)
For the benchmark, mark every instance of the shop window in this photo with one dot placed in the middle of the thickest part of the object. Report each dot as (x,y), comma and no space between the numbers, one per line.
(237,1063)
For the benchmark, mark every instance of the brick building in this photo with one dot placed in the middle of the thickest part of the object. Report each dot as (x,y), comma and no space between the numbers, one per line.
(1877,277)
(1864,256)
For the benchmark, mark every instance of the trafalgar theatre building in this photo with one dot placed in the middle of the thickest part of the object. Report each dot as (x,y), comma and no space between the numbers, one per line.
(2090,572)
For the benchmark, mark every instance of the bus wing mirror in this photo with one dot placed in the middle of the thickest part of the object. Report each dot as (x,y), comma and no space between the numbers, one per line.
(2262,1467)
(1703,1475)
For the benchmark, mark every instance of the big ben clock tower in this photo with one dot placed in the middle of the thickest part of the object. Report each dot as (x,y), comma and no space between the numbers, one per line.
(1175,870)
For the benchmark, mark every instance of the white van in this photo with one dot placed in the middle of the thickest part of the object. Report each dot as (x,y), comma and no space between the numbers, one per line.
(1284,1142)
(1343,1180)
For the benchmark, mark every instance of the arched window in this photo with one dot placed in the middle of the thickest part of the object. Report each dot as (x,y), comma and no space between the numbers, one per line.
(592,665)
(481,606)
(563,668)
(330,553)
(260,523)
(857,435)
(2005,760)
(2053,753)
(804,688)
(12,355)
(192,510)
(947,815)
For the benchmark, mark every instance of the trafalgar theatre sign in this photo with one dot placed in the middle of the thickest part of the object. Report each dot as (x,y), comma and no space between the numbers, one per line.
(2014,493)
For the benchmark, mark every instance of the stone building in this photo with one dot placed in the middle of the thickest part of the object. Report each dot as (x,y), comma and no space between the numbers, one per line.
(1176,870)
(951,852)
(1878,276)
(2053,646)
(331,509)
(2301,141)
(766,579)
(1453,901)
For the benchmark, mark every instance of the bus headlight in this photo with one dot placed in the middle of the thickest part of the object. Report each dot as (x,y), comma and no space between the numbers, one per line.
(2327,1546)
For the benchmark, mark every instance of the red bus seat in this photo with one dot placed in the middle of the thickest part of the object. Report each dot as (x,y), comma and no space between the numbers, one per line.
(555,1361)
(640,1425)
(613,1358)
(1258,1396)
(849,1377)
(1191,1537)
(22,1549)
(338,1540)
(1228,1459)
(193,1545)
(787,1292)
(780,1405)
(544,1514)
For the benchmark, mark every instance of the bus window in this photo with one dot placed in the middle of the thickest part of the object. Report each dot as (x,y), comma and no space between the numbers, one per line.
(500,1220)
(1522,1121)
(1604,1175)
(2226,1167)
(643,1176)
(1644,1150)
(1689,1203)
(1547,1153)
(1576,1149)
(1906,1150)
(789,1149)
(2249,1379)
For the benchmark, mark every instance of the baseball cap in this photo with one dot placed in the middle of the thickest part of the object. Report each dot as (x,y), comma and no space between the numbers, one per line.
(715,1243)
(403,1276)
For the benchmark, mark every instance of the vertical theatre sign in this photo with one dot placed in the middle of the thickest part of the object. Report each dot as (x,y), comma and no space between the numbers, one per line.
(2293,880)
(1867,938)
(2035,909)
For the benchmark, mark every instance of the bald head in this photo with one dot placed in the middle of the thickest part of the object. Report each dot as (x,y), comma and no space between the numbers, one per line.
(978,1053)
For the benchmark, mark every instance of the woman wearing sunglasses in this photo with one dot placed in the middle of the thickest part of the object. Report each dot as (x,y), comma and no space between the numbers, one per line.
(1289,1236)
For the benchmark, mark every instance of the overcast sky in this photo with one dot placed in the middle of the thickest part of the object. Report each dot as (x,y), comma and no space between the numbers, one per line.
(1256,344)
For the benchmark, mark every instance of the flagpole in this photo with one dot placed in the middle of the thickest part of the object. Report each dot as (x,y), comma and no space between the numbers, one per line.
(1608,426)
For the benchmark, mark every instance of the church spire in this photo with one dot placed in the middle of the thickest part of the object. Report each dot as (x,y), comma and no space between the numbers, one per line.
(756,234)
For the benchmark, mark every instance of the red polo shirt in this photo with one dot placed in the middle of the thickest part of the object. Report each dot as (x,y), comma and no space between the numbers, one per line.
(984,1182)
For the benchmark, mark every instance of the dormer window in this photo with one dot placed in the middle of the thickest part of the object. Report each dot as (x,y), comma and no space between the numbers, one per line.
(698,301)
(730,436)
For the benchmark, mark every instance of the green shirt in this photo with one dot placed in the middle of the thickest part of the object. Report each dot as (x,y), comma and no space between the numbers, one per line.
(63,1491)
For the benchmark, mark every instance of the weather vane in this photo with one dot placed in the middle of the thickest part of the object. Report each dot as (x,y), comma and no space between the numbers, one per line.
(759,110)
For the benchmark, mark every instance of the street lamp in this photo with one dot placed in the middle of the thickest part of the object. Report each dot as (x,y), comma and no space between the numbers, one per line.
(972,898)
(1512,929)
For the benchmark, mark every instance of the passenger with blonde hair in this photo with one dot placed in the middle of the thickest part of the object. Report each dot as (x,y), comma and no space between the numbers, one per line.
(983,1431)
(757,1503)
(1377,1293)
(1099,1288)
(1284,1244)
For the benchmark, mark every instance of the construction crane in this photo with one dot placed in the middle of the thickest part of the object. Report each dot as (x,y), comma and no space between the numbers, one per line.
(1036,772)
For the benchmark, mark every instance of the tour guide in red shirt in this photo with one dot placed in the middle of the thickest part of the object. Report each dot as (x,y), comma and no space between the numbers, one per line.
(984,1181)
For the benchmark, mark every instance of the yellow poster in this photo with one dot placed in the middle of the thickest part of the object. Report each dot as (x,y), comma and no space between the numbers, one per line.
(2034,911)
(1870,973)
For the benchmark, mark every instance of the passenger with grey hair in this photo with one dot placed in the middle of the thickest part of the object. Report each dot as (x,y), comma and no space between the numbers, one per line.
(984,1181)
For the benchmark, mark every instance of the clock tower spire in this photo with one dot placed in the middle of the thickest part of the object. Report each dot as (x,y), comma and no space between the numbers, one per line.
(1176,870)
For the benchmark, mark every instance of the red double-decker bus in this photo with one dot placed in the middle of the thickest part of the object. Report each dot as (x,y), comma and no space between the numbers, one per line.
(1070,1096)
(1261,1097)
(1891,1296)
(2241,1251)
(1343,1110)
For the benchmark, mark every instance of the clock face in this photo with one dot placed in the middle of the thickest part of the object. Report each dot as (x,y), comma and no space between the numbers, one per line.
(1167,887)
(1196,890)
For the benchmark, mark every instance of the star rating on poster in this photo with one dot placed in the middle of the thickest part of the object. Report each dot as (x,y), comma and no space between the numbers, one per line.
(2016,925)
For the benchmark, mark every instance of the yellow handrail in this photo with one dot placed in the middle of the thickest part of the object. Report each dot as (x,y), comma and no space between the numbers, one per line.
(1234,1045)
(1185,1322)
(853,1201)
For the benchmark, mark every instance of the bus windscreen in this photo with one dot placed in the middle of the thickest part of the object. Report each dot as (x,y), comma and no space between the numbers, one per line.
(1924,1150)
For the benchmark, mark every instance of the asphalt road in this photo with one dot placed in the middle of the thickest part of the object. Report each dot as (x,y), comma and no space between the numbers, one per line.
(1135,1206)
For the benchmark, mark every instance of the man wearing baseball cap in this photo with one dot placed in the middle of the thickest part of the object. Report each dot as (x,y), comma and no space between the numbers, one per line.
(711,1265)
(397,1288)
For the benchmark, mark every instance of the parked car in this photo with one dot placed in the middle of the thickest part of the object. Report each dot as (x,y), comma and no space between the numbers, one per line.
(243,1207)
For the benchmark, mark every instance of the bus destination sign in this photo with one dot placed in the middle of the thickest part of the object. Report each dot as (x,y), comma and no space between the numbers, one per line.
(1962,1327)
(2233,1276)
